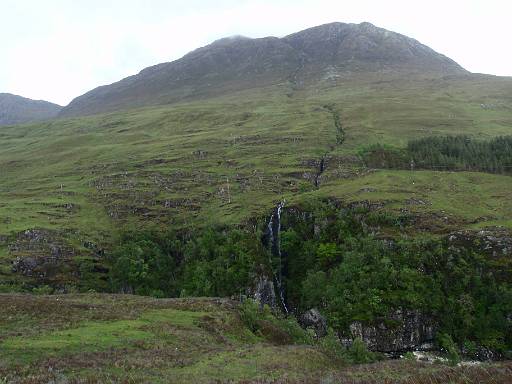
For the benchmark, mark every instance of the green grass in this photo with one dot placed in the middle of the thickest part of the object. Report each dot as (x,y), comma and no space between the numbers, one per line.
(96,336)
(231,159)
(104,336)
(115,338)
(461,199)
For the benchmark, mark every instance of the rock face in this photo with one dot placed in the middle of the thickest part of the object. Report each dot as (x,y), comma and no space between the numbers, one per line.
(401,331)
(317,54)
(19,110)
(366,47)
(264,293)
(38,253)
(495,242)
(313,319)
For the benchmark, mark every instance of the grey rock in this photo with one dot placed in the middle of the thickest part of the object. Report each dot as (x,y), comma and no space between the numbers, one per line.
(494,242)
(4,239)
(315,55)
(403,330)
(485,354)
(481,354)
(38,253)
(264,293)
(25,266)
(313,319)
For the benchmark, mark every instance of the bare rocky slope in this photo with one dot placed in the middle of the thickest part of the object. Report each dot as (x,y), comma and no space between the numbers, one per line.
(321,53)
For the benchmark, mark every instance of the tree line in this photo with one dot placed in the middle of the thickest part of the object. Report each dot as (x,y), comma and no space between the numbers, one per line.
(455,153)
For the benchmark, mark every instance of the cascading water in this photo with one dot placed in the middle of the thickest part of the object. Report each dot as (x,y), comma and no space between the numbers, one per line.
(274,236)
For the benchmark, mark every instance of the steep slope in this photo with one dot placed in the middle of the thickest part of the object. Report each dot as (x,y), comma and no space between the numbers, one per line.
(239,63)
(365,47)
(258,177)
(231,159)
(18,110)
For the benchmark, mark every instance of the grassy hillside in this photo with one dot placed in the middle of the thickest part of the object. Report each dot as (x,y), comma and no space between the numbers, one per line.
(230,159)
(127,339)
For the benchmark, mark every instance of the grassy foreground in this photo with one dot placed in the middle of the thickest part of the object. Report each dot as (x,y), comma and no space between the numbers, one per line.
(93,338)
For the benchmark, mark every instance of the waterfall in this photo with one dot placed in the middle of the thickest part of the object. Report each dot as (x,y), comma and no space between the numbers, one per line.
(274,236)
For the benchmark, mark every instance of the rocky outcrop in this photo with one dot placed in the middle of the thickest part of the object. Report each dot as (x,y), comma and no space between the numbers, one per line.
(314,320)
(403,330)
(38,253)
(481,353)
(264,292)
(4,239)
(495,242)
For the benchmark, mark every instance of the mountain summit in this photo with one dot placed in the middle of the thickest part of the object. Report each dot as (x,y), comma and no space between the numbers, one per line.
(19,110)
(365,46)
(238,62)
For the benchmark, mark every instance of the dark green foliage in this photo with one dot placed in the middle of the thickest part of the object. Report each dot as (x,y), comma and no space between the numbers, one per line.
(42,290)
(463,153)
(146,263)
(447,345)
(445,153)
(272,327)
(359,354)
(212,263)
(331,346)
(331,261)
(250,313)
(350,275)
(218,263)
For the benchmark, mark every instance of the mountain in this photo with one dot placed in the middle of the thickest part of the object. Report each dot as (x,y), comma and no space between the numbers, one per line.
(19,110)
(344,168)
(266,120)
(314,55)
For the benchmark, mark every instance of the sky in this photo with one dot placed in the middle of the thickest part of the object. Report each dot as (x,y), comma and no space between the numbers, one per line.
(56,50)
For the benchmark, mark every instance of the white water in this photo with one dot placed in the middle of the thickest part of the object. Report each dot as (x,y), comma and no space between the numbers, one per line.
(430,357)
(275,243)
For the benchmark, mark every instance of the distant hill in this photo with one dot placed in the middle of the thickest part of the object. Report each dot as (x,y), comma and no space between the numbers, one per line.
(336,50)
(18,110)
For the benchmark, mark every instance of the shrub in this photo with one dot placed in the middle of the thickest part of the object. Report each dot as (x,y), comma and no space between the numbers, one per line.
(358,353)
(250,314)
(262,322)
(42,290)
(447,345)
(331,346)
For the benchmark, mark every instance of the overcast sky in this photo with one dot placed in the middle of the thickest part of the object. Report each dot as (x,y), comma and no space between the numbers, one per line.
(58,49)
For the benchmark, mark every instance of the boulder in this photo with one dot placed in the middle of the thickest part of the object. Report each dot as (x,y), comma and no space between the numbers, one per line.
(314,320)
